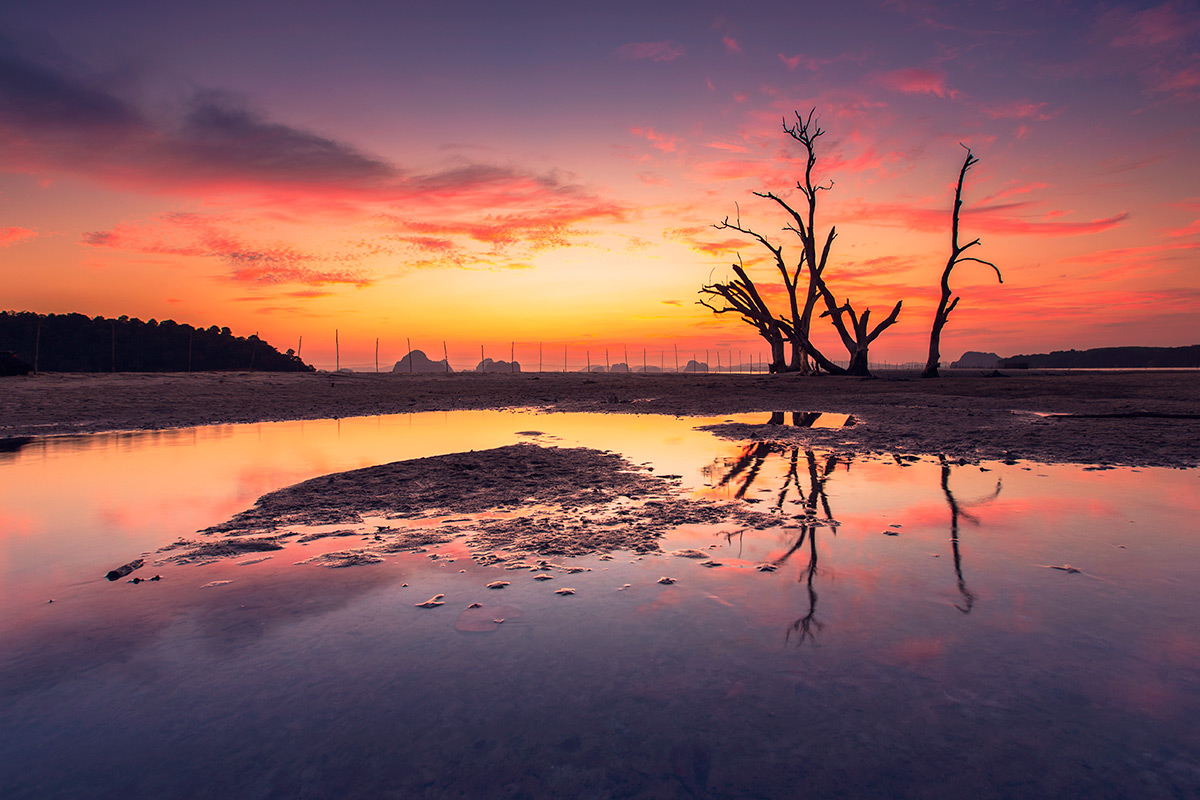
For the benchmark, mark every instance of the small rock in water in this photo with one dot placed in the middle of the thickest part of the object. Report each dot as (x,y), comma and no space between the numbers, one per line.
(498,620)
(891,533)
(665,580)
(895,525)
(475,605)
(122,571)
(606,557)
(432,602)
(564,590)
(619,589)
(543,577)
(497,584)
(1065,567)
(710,564)
(766,568)
(690,553)
(573,570)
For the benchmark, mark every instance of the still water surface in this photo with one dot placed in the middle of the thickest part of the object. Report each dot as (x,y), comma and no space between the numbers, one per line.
(915,639)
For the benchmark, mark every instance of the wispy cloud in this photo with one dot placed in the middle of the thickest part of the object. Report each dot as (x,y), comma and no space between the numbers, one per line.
(12,235)
(653,51)
(195,235)
(731,45)
(918,81)
(668,144)
(996,218)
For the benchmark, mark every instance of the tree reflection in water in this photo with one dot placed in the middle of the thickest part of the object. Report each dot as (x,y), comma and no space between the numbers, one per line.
(742,472)
(956,511)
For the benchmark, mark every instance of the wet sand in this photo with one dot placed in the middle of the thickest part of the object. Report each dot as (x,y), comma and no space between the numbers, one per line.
(1132,418)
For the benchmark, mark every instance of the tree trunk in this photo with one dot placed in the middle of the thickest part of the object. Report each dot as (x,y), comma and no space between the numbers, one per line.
(858,364)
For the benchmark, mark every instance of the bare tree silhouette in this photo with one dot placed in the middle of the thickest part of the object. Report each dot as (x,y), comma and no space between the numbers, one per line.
(946,304)
(855,330)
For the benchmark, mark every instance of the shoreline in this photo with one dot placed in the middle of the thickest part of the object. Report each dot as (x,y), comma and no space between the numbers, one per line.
(1126,418)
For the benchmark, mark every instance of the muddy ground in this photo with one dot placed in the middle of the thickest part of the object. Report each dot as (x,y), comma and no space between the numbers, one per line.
(1118,418)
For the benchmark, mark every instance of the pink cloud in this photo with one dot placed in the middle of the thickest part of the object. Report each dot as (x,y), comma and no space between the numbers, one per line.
(1020,109)
(731,45)
(918,81)
(1187,230)
(1014,190)
(668,144)
(1164,26)
(654,51)
(13,235)
(193,235)
(985,219)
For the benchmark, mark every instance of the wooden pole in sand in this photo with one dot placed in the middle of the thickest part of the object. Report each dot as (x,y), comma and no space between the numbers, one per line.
(481,359)
(299,345)
(589,362)
(446,356)
(607,368)
(376,355)
(643,360)
(512,356)
(337,352)
(408,344)
(539,356)
(564,358)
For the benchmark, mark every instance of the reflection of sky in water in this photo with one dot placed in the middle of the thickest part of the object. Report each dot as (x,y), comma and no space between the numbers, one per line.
(853,669)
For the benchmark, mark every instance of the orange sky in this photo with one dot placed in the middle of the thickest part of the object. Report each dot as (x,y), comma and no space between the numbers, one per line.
(546,175)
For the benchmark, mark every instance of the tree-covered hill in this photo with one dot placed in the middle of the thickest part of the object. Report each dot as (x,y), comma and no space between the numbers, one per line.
(77,343)
(1108,358)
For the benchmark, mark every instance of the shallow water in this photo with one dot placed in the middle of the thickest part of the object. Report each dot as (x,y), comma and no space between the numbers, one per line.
(915,639)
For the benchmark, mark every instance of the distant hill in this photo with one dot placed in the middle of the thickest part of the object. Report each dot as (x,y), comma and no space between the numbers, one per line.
(417,361)
(77,343)
(973,359)
(1108,358)
(487,365)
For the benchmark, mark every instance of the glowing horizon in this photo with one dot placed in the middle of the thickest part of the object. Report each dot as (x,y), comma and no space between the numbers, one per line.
(482,175)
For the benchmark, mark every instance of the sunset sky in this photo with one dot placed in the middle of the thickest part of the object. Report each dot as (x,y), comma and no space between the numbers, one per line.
(484,173)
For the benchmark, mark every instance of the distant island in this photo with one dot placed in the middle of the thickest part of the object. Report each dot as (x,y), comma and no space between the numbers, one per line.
(1107,358)
(78,343)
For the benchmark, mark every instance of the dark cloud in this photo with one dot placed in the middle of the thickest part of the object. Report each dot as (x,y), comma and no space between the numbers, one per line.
(219,134)
(44,97)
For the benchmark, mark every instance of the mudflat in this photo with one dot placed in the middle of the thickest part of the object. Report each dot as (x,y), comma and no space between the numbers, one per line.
(1105,418)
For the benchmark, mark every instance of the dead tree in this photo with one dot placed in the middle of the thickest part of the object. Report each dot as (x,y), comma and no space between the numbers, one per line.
(858,336)
(946,304)
(742,296)
(854,330)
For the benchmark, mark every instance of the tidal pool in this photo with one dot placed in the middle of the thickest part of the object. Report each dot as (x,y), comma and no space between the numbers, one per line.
(929,628)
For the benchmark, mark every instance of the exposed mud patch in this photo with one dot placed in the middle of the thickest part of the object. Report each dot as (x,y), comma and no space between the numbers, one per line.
(529,500)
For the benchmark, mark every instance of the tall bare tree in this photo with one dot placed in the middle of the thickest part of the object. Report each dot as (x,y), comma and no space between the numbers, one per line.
(855,331)
(946,304)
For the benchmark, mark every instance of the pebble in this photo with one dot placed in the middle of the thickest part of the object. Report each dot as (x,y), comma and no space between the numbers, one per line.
(766,568)
(475,605)
(619,589)
(564,590)
(891,533)
(711,564)
(432,602)
(543,577)
(497,584)
(665,580)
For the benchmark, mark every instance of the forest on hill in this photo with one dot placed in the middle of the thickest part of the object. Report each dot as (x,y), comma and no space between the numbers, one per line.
(1108,358)
(78,343)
